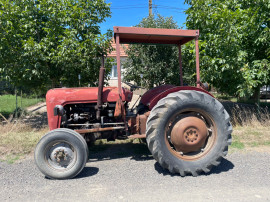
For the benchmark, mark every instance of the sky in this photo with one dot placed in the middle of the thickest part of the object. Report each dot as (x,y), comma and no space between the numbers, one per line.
(130,13)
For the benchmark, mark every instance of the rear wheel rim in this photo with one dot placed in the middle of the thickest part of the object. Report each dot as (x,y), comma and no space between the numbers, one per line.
(178,140)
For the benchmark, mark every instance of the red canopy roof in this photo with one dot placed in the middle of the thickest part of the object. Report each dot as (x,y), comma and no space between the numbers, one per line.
(154,35)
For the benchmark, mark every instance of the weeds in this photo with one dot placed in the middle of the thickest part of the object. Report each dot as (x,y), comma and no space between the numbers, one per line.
(251,126)
(18,139)
(250,116)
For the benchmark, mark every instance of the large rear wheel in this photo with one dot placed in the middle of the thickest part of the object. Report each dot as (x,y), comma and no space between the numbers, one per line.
(188,132)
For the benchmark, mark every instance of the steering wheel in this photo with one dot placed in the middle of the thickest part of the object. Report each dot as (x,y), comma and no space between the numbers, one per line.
(132,86)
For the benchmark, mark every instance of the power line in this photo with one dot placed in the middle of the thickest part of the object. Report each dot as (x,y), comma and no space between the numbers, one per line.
(154,5)
(131,5)
(170,7)
(150,7)
(128,7)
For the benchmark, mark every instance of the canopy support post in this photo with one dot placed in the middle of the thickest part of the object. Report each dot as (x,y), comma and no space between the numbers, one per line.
(197,61)
(118,65)
(180,65)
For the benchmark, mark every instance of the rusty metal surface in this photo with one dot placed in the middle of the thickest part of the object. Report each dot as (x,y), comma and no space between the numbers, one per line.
(100,88)
(142,123)
(209,142)
(189,134)
(197,60)
(93,130)
(131,120)
(141,120)
(154,35)
(137,136)
(118,61)
(180,64)
(93,124)
(118,108)
(137,123)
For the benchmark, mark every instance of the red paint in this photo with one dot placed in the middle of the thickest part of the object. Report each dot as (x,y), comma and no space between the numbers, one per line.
(64,96)
(151,97)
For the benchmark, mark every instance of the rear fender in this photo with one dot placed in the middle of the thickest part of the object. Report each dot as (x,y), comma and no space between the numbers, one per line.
(163,94)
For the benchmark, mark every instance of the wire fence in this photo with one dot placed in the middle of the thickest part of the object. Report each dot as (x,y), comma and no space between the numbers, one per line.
(14,100)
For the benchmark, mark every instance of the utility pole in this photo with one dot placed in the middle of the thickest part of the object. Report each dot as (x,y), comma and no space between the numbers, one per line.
(150,7)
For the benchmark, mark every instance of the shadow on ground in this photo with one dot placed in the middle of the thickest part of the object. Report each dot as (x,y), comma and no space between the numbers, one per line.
(108,151)
(224,166)
(87,172)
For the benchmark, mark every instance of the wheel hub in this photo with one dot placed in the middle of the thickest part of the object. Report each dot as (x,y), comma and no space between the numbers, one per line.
(61,155)
(189,134)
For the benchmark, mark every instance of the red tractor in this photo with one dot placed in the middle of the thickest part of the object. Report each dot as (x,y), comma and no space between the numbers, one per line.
(187,130)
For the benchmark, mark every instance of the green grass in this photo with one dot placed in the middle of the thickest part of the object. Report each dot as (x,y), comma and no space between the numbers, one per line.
(238,145)
(250,136)
(8,103)
(10,159)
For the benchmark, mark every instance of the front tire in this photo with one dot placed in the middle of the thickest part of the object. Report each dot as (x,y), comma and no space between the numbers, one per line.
(188,132)
(61,154)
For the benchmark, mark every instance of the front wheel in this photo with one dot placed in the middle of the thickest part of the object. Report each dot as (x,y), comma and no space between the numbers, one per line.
(188,132)
(61,154)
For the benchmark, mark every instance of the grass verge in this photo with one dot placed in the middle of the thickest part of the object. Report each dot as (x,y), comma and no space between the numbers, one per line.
(251,136)
(18,139)
(8,103)
(251,129)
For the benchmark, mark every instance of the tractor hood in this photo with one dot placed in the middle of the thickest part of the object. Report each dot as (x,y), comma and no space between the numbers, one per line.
(85,95)
(64,96)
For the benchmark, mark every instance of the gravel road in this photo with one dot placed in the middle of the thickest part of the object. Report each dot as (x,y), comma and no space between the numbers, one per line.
(118,172)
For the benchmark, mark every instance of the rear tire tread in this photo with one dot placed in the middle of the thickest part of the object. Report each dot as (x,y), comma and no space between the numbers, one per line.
(155,116)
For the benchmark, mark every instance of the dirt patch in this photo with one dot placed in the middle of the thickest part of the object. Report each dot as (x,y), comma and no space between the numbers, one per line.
(38,108)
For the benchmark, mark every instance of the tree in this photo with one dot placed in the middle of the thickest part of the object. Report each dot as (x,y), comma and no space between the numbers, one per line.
(52,40)
(236,52)
(158,64)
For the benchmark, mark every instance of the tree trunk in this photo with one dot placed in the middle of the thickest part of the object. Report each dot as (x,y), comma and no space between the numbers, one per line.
(257,96)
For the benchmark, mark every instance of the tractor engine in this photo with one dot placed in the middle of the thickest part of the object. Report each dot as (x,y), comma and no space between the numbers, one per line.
(83,116)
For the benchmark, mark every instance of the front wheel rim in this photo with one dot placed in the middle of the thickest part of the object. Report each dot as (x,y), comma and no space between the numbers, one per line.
(60,155)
